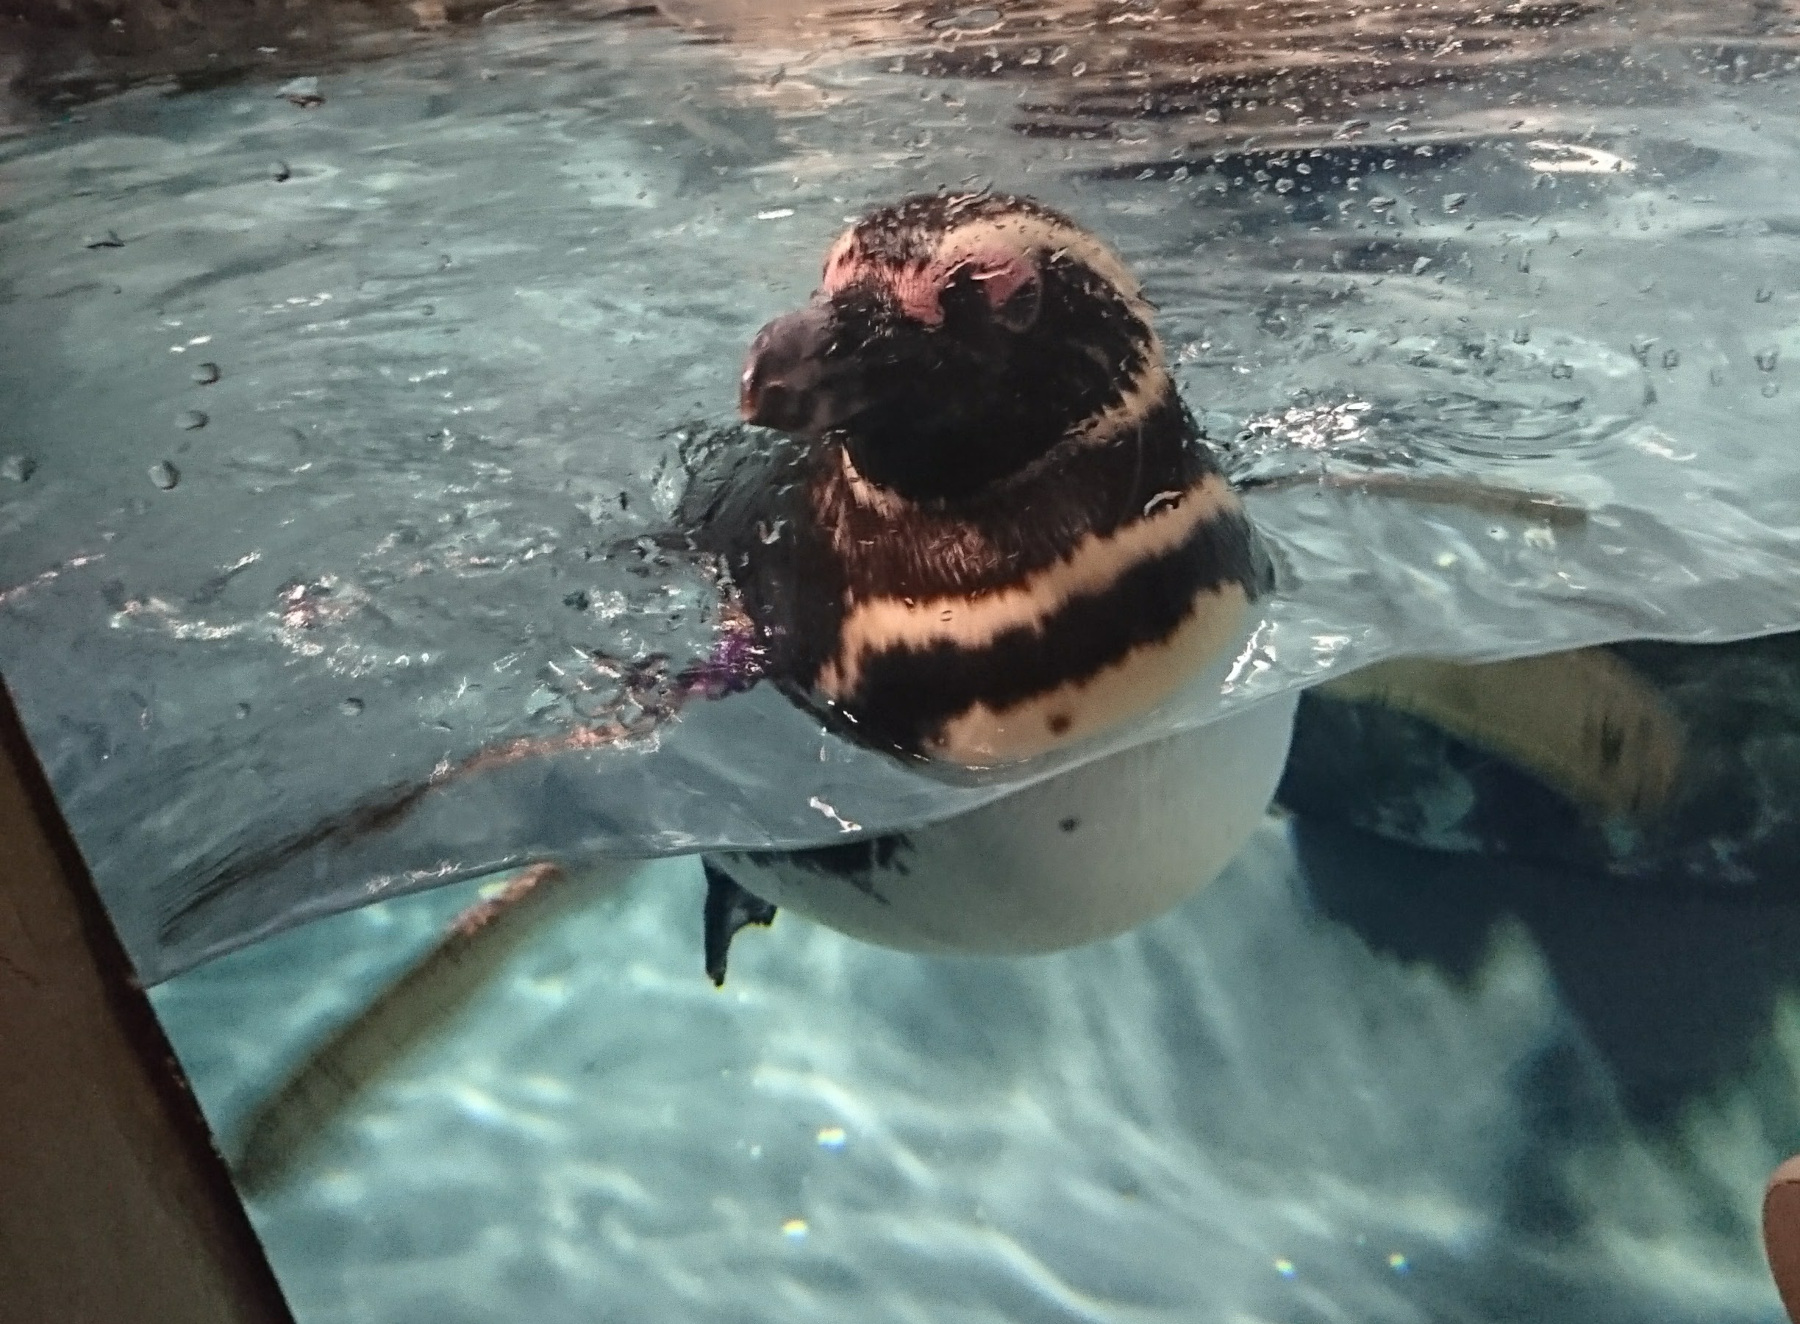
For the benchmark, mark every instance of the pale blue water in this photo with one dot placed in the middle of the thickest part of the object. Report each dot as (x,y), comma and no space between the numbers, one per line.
(1558,250)
(1550,1102)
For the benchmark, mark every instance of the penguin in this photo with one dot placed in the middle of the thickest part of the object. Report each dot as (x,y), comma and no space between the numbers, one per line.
(973,524)
(983,528)
(999,534)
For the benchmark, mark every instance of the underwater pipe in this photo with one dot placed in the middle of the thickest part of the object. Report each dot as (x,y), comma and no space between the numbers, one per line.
(114,1203)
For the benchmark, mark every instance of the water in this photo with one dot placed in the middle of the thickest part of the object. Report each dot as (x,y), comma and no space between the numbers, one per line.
(340,417)
(457,344)
(1339,1084)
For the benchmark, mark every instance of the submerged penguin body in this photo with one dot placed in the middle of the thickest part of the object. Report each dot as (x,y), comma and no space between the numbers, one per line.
(995,532)
(1073,859)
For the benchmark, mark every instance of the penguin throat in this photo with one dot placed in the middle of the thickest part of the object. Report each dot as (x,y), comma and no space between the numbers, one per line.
(944,464)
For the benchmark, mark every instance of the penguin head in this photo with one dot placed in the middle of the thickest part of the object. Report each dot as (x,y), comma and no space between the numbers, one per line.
(953,342)
(999,531)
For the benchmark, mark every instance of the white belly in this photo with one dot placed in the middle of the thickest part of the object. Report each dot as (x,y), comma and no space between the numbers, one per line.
(1082,856)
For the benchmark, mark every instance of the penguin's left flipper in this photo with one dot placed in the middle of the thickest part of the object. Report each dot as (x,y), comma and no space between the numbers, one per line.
(1582,722)
(729,908)
(1435,489)
(279,1131)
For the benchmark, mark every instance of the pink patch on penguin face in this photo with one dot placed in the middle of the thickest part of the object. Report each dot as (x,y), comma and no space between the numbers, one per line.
(918,288)
(844,264)
(999,272)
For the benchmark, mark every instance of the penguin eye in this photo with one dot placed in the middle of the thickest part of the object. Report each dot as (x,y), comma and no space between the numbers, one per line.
(1007,288)
(1010,286)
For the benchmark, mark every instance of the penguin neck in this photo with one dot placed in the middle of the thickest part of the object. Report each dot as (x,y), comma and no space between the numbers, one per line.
(1097,476)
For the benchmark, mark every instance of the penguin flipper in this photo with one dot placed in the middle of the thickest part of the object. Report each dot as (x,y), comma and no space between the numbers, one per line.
(1436,489)
(421,1003)
(1583,722)
(729,908)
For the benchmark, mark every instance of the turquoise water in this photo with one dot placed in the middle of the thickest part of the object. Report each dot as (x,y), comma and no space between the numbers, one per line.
(1339,1084)
(332,436)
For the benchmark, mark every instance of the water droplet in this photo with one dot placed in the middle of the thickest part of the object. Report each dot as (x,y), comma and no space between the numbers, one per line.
(1766,359)
(1079,69)
(1525,262)
(1453,202)
(302,92)
(578,600)
(1562,371)
(1764,294)
(351,707)
(108,240)
(164,475)
(970,20)
(191,419)
(1213,115)
(280,173)
(17,468)
(1521,335)
(1671,358)
(1284,185)
(243,710)
(206,374)
(1419,265)
(1716,376)
(1770,390)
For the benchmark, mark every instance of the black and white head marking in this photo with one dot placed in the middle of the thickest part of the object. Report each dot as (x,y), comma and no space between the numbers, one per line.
(1006,533)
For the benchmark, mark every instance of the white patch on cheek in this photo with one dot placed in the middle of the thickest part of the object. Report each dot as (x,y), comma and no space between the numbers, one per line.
(1141,396)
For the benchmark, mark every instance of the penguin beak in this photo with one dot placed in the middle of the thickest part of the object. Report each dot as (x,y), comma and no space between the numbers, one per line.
(792,384)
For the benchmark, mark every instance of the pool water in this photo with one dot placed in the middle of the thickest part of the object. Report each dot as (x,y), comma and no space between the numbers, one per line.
(1343,1083)
(463,305)
(342,414)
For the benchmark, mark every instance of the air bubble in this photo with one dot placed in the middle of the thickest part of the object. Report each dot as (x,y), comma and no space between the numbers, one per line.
(206,374)
(1764,294)
(17,468)
(191,419)
(1453,202)
(1770,390)
(280,173)
(1766,359)
(1562,371)
(1671,358)
(1521,335)
(351,707)
(165,475)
